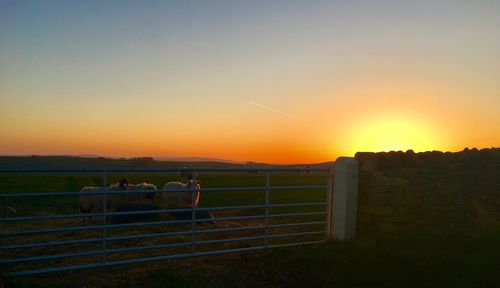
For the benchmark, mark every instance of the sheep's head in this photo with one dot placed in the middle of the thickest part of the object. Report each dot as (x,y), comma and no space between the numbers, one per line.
(151,187)
(189,175)
(123,183)
(195,184)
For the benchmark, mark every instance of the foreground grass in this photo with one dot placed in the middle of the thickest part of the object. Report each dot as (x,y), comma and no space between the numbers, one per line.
(460,259)
(453,260)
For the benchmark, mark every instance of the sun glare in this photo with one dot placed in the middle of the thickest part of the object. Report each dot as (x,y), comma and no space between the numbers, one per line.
(393,134)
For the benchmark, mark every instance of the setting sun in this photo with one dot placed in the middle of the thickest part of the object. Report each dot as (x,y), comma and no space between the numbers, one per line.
(391,133)
(394,133)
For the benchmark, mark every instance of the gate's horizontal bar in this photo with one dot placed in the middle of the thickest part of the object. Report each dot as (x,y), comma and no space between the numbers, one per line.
(126,249)
(134,261)
(150,247)
(296,224)
(113,169)
(170,245)
(127,237)
(112,192)
(152,235)
(222,189)
(295,204)
(297,234)
(157,258)
(296,244)
(68,216)
(52,230)
(53,243)
(186,232)
(49,257)
(140,224)
(95,252)
(297,214)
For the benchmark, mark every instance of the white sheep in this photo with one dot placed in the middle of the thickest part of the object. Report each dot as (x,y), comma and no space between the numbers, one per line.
(181,199)
(94,203)
(185,200)
(127,198)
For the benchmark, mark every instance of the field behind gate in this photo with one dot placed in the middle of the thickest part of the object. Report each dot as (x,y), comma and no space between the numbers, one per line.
(59,182)
(462,259)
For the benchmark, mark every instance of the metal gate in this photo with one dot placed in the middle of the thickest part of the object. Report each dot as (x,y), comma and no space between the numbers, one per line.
(275,207)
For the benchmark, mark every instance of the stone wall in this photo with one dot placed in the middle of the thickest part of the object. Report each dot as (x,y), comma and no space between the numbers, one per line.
(404,193)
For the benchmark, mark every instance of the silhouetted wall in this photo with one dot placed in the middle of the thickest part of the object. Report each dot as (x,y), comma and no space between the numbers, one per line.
(431,192)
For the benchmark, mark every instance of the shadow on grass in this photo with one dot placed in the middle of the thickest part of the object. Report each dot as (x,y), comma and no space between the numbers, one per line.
(454,260)
(104,278)
(458,259)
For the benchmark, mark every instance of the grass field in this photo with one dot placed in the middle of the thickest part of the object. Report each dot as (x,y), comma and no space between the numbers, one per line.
(57,182)
(458,259)
(454,260)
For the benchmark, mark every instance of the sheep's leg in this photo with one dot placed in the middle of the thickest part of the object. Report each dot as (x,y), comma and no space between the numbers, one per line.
(205,215)
(86,219)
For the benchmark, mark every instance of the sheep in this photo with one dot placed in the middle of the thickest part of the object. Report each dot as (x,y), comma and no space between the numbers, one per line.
(144,186)
(125,185)
(94,203)
(184,199)
(181,199)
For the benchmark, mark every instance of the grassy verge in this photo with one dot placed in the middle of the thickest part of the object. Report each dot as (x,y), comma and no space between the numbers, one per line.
(454,260)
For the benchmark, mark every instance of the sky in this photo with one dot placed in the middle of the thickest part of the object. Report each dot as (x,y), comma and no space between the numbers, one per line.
(266,81)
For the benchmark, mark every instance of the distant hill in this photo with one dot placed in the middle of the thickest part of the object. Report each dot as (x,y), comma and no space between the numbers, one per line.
(195,159)
(77,162)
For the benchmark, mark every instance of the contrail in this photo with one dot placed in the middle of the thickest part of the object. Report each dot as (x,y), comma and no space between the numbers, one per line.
(274,110)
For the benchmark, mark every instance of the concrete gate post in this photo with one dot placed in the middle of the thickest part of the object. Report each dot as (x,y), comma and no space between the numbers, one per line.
(345,198)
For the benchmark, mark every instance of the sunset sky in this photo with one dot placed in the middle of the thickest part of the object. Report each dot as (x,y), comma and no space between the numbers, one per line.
(267,81)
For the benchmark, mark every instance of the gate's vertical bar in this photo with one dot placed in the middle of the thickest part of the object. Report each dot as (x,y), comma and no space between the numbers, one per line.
(329,203)
(266,219)
(7,207)
(104,247)
(193,213)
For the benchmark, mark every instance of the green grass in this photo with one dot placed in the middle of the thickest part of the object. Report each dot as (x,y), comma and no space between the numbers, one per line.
(74,182)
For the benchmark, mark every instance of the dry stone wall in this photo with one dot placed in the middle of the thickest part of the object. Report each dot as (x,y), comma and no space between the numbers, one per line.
(404,193)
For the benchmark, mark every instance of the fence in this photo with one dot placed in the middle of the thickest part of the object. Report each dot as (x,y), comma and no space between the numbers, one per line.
(30,236)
